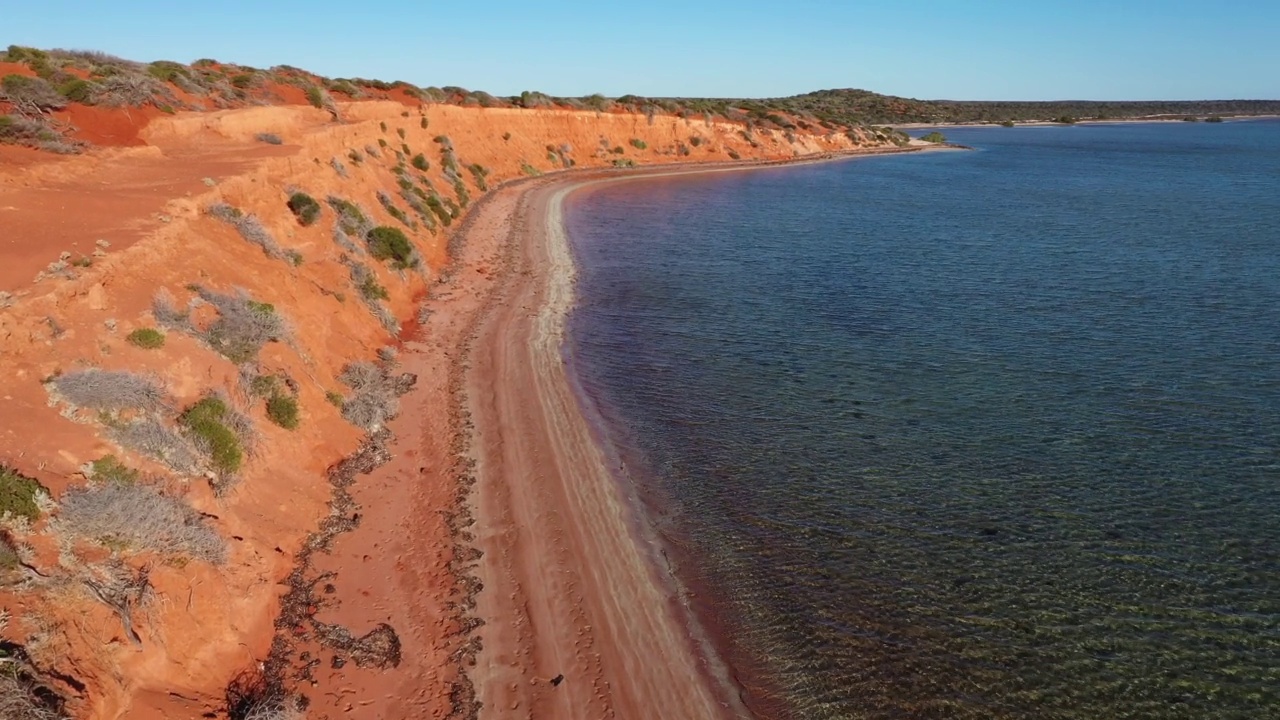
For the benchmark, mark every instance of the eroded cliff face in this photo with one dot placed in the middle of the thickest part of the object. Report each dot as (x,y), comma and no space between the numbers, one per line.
(117,626)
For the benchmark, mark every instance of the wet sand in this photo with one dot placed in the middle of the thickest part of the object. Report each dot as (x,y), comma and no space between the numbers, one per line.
(572,589)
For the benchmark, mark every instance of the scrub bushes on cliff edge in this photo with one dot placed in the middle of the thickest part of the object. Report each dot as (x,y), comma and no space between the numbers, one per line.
(243,325)
(376,394)
(146,338)
(138,517)
(21,698)
(18,494)
(305,208)
(249,227)
(388,243)
(108,391)
(207,423)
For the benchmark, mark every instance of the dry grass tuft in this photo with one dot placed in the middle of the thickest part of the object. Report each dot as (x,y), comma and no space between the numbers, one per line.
(10,558)
(168,315)
(249,227)
(276,709)
(134,90)
(109,390)
(31,94)
(254,696)
(372,293)
(151,437)
(21,698)
(376,397)
(140,518)
(243,325)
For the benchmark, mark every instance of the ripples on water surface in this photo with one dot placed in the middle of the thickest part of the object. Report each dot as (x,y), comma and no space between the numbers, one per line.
(992,434)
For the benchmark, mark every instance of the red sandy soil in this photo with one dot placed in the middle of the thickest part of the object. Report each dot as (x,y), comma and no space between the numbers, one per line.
(558,568)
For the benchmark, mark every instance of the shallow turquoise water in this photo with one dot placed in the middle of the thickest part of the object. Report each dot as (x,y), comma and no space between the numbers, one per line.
(989,434)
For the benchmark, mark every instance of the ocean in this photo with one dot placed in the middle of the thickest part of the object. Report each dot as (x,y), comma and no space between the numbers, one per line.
(975,434)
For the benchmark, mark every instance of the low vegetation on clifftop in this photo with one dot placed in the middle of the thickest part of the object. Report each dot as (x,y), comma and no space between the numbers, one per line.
(42,92)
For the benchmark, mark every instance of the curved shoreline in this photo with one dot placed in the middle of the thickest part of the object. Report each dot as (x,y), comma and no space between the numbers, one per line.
(581,616)
(500,547)
(572,588)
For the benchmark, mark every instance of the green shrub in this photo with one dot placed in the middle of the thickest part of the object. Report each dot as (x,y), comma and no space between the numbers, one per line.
(242,81)
(638,144)
(9,558)
(1065,120)
(77,90)
(480,174)
(695,141)
(371,290)
(424,123)
(344,87)
(166,70)
(389,243)
(22,53)
(205,421)
(18,494)
(454,210)
(400,132)
(383,125)
(335,399)
(934,137)
(1213,119)
(393,210)
(1007,123)
(420,161)
(305,208)
(315,97)
(269,138)
(146,338)
(263,386)
(350,214)
(436,206)
(110,470)
(283,411)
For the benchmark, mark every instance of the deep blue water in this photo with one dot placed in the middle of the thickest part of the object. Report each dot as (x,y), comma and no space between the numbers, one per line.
(984,434)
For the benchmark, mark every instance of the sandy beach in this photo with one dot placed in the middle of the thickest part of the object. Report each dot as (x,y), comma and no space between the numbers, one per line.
(500,540)
(588,627)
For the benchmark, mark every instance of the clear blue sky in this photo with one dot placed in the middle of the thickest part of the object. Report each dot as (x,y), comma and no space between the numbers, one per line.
(960,49)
